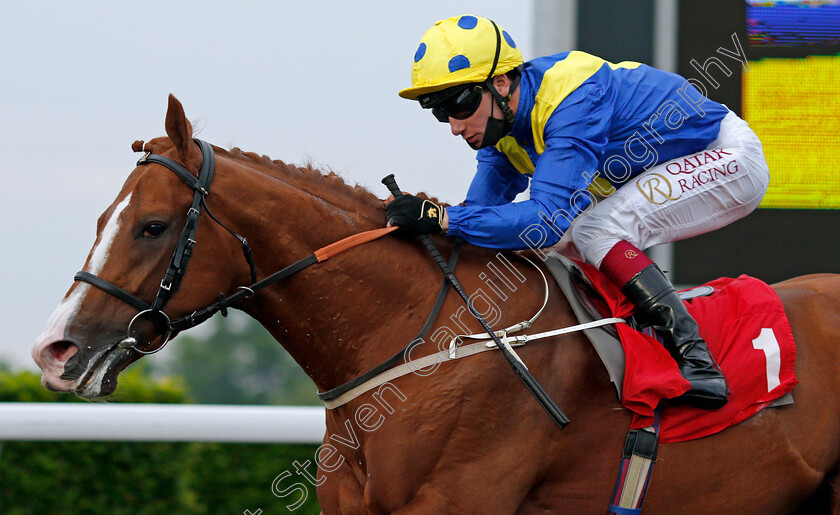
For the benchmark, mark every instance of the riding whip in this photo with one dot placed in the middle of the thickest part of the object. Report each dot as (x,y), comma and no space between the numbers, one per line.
(518,367)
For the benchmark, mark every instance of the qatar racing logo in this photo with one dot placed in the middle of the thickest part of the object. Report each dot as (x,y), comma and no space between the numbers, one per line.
(686,174)
(656,188)
(708,175)
(689,165)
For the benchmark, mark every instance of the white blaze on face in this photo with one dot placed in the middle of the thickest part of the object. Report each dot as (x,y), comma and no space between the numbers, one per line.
(68,308)
(100,253)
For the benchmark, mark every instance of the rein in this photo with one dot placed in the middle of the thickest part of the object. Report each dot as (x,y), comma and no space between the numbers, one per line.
(180,256)
(174,274)
(246,292)
(183,251)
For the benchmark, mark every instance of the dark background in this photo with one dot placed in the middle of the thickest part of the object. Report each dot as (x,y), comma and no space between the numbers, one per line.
(771,244)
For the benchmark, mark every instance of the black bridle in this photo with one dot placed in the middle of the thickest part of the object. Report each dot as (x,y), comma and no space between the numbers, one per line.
(183,251)
(180,258)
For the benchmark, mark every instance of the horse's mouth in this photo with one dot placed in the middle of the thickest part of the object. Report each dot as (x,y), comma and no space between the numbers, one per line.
(100,377)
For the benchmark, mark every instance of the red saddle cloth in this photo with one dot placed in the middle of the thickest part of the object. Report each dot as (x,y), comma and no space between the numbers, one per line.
(746,329)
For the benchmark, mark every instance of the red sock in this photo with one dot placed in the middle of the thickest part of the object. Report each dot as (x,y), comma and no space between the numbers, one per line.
(623,262)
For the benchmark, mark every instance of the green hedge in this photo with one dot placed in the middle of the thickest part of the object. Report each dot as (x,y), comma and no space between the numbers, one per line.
(138,477)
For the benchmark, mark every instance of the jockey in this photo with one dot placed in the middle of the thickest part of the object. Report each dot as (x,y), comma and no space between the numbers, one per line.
(665,162)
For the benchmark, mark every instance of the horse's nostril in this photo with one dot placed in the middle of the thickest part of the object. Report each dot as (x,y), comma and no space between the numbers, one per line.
(63,350)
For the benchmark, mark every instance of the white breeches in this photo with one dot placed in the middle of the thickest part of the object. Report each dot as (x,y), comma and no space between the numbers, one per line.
(680,198)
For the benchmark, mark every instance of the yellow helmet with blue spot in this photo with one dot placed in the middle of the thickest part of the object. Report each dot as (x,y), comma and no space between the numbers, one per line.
(460,50)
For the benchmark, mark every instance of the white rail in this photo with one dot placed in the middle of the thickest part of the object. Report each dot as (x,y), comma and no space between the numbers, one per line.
(161,422)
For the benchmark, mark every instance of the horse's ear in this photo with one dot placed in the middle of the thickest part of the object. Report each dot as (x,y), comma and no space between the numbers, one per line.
(179,130)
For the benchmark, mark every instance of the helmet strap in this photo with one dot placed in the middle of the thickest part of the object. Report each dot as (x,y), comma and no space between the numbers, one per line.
(497,128)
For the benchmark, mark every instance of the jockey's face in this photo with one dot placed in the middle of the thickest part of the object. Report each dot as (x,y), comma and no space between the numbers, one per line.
(472,128)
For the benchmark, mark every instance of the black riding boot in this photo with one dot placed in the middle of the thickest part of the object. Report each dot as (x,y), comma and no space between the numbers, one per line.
(659,306)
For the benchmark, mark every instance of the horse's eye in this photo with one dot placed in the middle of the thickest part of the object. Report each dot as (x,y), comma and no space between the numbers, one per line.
(153,230)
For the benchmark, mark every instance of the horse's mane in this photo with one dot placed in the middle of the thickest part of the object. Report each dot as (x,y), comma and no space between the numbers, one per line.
(308,174)
(312,175)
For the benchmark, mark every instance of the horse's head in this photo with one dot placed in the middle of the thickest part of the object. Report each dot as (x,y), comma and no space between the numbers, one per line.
(118,307)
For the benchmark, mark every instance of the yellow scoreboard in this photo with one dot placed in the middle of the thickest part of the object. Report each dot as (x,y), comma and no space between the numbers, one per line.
(791,98)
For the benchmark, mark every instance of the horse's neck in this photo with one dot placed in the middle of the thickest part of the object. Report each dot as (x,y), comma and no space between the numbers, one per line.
(342,317)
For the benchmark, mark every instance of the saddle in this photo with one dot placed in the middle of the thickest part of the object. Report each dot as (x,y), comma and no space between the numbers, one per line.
(589,304)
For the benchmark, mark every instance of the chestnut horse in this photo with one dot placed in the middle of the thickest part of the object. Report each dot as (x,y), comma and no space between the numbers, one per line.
(467,438)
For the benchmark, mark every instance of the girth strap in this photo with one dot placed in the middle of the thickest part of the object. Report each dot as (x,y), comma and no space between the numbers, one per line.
(637,462)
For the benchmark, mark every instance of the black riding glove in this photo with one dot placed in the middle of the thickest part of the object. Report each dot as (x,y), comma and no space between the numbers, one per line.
(416,214)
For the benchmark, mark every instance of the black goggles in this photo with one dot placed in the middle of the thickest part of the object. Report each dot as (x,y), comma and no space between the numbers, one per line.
(459,104)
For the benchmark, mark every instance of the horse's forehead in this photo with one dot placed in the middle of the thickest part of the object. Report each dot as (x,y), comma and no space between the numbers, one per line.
(128,188)
(153,184)
(153,187)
